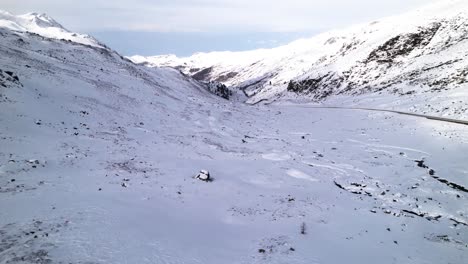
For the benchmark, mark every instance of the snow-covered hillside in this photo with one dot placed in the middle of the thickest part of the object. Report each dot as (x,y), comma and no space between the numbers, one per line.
(98,158)
(419,55)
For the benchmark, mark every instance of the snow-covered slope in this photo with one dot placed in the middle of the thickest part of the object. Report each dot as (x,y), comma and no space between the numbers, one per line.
(419,55)
(45,26)
(98,157)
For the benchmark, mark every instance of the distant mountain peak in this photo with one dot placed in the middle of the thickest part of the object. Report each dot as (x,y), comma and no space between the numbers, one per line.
(42,20)
(44,25)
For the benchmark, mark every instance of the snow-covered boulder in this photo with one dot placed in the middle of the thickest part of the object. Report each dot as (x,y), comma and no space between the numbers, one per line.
(203,175)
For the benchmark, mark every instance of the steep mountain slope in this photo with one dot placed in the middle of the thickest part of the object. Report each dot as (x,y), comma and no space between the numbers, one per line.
(98,157)
(418,55)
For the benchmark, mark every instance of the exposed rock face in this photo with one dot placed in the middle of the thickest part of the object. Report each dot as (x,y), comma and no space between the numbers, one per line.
(203,75)
(226,77)
(319,87)
(403,45)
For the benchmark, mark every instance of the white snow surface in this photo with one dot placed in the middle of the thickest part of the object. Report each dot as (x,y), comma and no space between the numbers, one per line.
(97,158)
(348,62)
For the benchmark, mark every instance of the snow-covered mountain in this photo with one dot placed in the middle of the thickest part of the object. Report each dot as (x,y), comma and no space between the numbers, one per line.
(98,158)
(43,25)
(423,53)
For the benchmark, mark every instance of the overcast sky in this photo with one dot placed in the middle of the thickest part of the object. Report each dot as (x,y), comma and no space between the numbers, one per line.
(235,24)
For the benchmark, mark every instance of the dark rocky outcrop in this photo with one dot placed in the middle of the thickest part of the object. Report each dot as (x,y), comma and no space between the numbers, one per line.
(321,86)
(403,45)
(8,79)
(226,77)
(220,90)
(203,75)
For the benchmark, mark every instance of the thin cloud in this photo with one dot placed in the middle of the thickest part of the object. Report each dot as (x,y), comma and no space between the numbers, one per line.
(210,15)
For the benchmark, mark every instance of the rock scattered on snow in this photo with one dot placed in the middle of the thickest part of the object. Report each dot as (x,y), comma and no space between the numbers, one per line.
(204,175)
(421,164)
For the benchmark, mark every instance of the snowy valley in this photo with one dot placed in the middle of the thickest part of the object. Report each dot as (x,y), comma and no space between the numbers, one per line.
(402,62)
(99,155)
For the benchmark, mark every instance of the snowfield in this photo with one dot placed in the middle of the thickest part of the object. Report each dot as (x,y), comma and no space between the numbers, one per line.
(99,158)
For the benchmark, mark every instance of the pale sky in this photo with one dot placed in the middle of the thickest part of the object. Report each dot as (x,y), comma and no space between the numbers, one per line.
(262,23)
